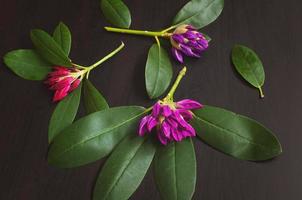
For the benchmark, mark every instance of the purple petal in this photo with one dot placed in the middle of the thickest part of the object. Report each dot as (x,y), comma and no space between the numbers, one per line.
(190,27)
(166,129)
(172,122)
(188,104)
(180,120)
(166,111)
(188,51)
(162,138)
(178,38)
(177,55)
(175,135)
(143,126)
(151,123)
(186,114)
(156,110)
(190,35)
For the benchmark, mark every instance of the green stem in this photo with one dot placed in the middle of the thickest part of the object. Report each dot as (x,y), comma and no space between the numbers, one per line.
(168,29)
(138,32)
(106,57)
(181,74)
(261,92)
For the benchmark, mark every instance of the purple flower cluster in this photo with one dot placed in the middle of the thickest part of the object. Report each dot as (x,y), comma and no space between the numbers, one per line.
(188,41)
(170,120)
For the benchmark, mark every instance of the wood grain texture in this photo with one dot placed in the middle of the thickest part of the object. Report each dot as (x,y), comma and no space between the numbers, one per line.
(272,28)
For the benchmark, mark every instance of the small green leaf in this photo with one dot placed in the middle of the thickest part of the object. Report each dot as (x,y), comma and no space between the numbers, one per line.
(48,48)
(125,169)
(27,64)
(64,113)
(93,99)
(175,170)
(208,38)
(249,66)
(158,72)
(62,36)
(199,13)
(116,12)
(94,136)
(235,135)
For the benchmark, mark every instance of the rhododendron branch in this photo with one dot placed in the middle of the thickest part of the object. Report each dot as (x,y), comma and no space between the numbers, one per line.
(170,95)
(168,29)
(157,40)
(139,32)
(107,57)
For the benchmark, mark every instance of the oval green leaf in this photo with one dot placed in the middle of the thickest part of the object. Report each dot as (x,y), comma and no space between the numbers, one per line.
(93,136)
(158,72)
(27,64)
(199,13)
(175,170)
(235,135)
(125,169)
(93,100)
(116,12)
(62,36)
(64,113)
(249,66)
(48,48)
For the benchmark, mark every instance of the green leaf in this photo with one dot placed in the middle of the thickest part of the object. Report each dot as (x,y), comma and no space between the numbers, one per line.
(249,66)
(158,72)
(175,170)
(125,169)
(235,135)
(199,13)
(93,136)
(27,64)
(62,36)
(48,48)
(116,12)
(208,38)
(93,99)
(64,113)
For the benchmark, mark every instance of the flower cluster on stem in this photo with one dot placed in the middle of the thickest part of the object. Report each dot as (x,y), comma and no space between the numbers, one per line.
(169,118)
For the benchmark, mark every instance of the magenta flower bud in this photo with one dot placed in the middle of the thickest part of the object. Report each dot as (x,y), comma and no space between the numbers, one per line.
(188,41)
(63,81)
(170,120)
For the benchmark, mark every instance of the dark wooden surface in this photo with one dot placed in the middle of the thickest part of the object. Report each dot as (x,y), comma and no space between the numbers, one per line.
(272,28)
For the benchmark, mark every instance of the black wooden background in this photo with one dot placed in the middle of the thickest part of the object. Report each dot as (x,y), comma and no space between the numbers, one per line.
(272,27)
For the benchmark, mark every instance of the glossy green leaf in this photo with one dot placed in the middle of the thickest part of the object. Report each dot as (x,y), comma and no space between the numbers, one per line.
(175,170)
(158,72)
(62,36)
(236,135)
(93,99)
(64,113)
(116,12)
(199,13)
(249,66)
(48,48)
(125,169)
(27,64)
(93,136)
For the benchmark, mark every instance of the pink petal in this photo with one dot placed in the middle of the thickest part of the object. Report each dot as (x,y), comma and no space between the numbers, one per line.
(61,94)
(74,85)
